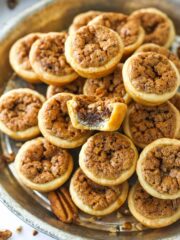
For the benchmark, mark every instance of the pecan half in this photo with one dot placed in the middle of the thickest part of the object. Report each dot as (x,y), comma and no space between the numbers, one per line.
(62,205)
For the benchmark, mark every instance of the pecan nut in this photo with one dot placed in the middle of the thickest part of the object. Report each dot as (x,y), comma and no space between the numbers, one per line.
(62,205)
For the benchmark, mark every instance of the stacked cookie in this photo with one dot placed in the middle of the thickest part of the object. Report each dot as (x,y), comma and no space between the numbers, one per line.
(112,92)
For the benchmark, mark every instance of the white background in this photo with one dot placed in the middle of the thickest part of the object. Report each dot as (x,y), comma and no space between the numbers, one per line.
(7,219)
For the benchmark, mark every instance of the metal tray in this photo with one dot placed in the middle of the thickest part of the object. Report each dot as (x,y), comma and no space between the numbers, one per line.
(31,206)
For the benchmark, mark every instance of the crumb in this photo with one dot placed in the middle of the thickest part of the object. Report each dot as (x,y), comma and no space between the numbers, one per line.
(119,215)
(127,226)
(19,144)
(34,233)
(19,229)
(4,235)
(139,226)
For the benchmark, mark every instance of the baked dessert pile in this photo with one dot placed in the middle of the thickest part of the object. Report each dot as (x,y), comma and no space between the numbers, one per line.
(112,95)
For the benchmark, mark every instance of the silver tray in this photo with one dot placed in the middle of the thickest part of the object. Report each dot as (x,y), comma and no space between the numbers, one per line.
(33,207)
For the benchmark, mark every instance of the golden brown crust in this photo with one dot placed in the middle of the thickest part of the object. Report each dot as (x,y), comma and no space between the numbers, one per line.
(94,51)
(82,20)
(159,29)
(48,60)
(130,31)
(75,87)
(145,124)
(151,211)
(19,57)
(151,47)
(95,199)
(150,78)
(18,113)
(43,166)
(90,112)
(108,158)
(109,86)
(55,124)
(158,168)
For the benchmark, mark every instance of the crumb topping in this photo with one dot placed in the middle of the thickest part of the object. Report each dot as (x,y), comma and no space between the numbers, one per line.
(120,23)
(109,86)
(83,19)
(161,168)
(150,123)
(57,120)
(23,50)
(93,111)
(19,111)
(94,46)
(152,207)
(156,27)
(108,154)
(152,73)
(95,196)
(43,162)
(75,87)
(50,54)
(161,50)
(176,101)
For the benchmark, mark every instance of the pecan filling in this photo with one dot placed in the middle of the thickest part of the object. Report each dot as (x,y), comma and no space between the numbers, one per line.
(109,86)
(152,207)
(94,46)
(176,101)
(161,168)
(44,162)
(152,73)
(95,196)
(57,120)
(92,111)
(75,87)
(19,111)
(157,28)
(23,50)
(161,50)
(150,123)
(50,54)
(127,29)
(108,154)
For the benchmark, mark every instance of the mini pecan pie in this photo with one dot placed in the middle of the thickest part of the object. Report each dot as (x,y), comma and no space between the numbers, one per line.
(94,51)
(108,158)
(82,20)
(131,32)
(150,211)
(92,113)
(18,113)
(151,47)
(75,87)
(95,199)
(48,60)
(55,124)
(42,166)
(159,29)
(150,78)
(158,168)
(19,57)
(109,86)
(145,124)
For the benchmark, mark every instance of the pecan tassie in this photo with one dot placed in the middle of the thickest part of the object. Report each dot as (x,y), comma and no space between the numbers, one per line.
(48,60)
(62,205)
(92,113)
(4,235)
(159,29)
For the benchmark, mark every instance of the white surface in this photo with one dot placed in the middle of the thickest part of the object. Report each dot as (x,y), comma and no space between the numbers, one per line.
(7,219)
